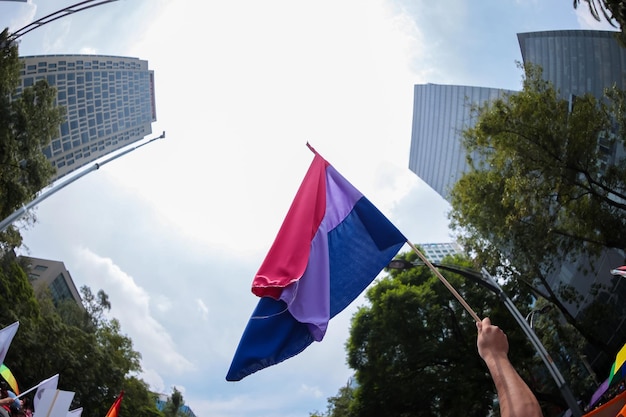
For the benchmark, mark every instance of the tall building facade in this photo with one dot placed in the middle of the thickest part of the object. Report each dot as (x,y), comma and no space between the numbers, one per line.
(435,252)
(440,113)
(576,62)
(54,276)
(110,103)
(579,62)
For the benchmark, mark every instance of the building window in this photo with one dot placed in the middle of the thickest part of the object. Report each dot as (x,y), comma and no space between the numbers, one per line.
(60,290)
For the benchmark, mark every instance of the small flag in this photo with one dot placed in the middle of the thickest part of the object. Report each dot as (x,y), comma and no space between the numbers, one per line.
(620,271)
(599,392)
(9,378)
(47,384)
(330,247)
(6,337)
(54,403)
(114,411)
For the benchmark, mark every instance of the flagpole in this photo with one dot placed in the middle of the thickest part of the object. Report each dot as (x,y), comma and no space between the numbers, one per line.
(56,394)
(445,282)
(36,386)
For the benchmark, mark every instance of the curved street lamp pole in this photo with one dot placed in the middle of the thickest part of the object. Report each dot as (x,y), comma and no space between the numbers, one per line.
(485,279)
(17,214)
(531,316)
(75,8)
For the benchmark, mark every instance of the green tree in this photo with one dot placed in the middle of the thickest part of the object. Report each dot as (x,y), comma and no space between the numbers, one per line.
(138,400)
(28,122)
(566,347)
(111,361)
(413,348)
(91,355)
(613,11)
(539,191)
(339,405)
(96,306)
(174,404)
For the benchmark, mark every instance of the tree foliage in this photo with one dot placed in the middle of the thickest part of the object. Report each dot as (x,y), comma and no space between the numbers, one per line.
(88,351)
(566,347)
(613,11)
(174,404)
(138,400)
(28,122)
(542,189)
(339,405)
(91,355)
(413,349)
(414,352)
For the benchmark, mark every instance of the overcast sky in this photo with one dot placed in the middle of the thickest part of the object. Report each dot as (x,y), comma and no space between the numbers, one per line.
(175,231)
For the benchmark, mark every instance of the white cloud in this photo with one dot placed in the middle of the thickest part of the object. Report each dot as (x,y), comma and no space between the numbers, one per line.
(161,303)
(315,392)
(175,231)
(587,21)
(21,14)
(56,36)
(202,309)
(131,306)
(154,380)
(87,50)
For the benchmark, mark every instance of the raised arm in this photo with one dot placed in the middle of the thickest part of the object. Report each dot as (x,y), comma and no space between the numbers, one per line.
(515,397)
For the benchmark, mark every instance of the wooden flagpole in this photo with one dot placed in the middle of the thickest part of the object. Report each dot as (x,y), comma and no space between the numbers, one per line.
(56,394)
(445,282)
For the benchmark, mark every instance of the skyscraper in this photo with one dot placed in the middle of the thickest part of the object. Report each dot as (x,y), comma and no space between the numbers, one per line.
(110,104)
(440,113)
(576,62)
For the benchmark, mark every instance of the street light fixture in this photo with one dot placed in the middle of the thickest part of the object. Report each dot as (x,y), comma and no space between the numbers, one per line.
(485,279)
(531,315)
(465,272)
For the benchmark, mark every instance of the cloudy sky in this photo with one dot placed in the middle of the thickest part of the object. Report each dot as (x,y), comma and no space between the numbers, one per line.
(175,230)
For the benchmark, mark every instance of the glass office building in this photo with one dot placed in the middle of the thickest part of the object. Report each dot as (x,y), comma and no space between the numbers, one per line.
(579,62)
(109,100)
(435,252)
(440,113)
(576,62)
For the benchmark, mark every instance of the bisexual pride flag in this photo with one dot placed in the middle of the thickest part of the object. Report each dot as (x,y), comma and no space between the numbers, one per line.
(330,247)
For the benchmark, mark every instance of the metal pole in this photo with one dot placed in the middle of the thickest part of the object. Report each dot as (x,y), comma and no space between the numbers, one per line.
(83,5)
(17,214)
(488,282)
(541,350)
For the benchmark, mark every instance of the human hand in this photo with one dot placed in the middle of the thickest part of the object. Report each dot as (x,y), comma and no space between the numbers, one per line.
(491,341)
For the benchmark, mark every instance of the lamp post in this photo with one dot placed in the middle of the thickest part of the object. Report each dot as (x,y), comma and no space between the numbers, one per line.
(17,214)
(485,279)
(530,317)
(83,5)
